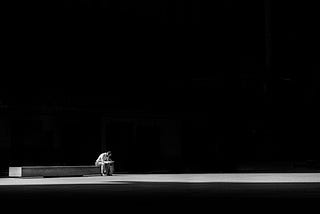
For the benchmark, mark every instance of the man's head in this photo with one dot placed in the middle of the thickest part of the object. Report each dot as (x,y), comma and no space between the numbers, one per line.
(108,153)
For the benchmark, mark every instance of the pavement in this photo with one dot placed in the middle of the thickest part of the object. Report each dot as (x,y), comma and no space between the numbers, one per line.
(147,193)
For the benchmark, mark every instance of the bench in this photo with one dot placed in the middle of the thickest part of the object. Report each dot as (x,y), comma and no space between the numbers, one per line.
(52,171)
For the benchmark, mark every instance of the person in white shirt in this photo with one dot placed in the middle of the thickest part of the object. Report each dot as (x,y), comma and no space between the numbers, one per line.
(105,163)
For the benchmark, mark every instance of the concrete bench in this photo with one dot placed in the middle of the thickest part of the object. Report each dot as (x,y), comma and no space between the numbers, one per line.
(52,171)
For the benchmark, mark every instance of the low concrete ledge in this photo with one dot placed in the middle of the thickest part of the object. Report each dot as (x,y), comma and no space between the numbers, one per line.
(52,171)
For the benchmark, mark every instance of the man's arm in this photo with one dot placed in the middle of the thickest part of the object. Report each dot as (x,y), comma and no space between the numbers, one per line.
(110,161)
(99,158)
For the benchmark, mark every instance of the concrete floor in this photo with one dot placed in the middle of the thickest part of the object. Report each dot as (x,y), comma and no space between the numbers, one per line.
(169,178)
(158,192)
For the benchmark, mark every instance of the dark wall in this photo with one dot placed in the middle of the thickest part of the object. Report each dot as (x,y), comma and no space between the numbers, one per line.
(144,145)
(5,136)
(294,89)
(120,139)
(212,124)
(80,137)
(210,76)
(42,139)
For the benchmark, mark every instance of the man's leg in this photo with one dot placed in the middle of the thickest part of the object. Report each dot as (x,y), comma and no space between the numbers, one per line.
(111,169)
(108,169)
(102,168)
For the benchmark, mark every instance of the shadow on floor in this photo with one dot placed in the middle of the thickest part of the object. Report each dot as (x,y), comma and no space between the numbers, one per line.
(161,196)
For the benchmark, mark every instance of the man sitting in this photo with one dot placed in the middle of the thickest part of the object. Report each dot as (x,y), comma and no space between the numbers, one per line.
(105,163)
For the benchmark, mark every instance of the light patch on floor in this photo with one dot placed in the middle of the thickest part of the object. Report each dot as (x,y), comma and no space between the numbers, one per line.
(179,178)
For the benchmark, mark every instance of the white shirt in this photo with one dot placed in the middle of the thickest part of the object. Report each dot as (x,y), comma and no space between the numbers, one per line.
(103,158)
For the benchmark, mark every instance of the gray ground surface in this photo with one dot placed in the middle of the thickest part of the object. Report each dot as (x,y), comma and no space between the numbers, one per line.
(252,192)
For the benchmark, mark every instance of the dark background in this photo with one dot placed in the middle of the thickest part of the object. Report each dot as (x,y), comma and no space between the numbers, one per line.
(168,86)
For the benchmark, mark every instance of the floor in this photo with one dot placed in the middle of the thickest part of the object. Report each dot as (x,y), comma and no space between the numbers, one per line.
(158,192)
(249,178)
